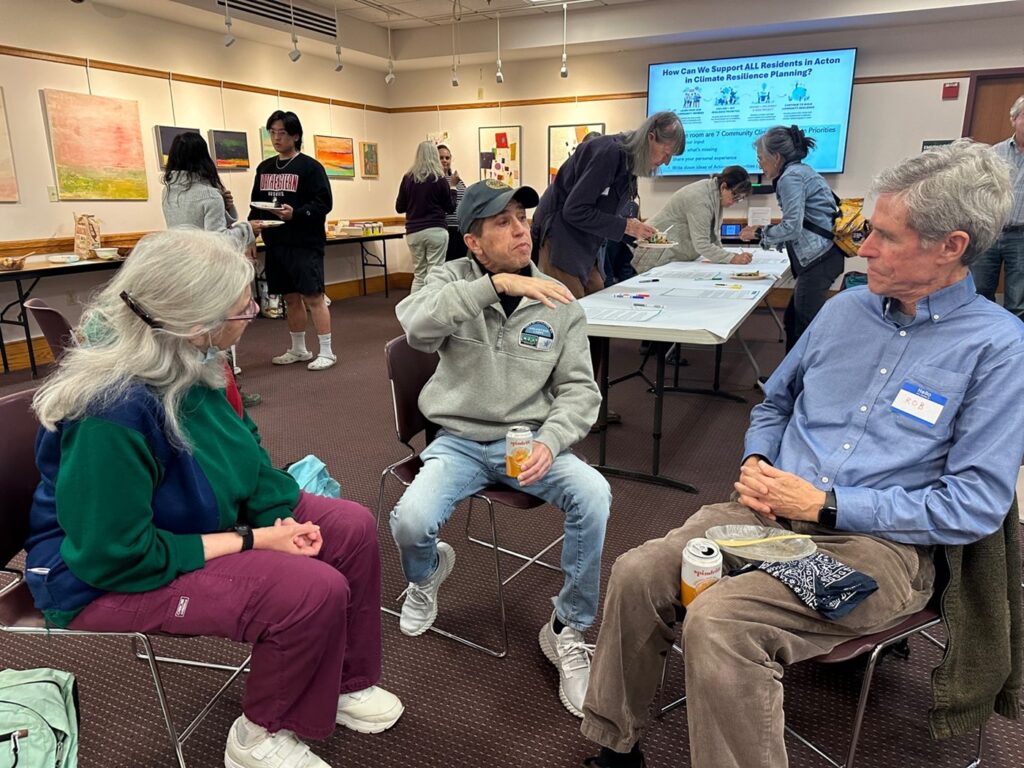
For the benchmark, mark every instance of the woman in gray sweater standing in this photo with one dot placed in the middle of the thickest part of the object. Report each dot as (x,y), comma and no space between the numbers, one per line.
(195,198)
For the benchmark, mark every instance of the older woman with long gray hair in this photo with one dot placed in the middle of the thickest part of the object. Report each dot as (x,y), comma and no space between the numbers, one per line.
(153,486)
(808,212)
(426,196)
(591,199)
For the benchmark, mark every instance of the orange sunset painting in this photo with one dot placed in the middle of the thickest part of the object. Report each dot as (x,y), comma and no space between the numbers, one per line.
(336,155)
(96,144)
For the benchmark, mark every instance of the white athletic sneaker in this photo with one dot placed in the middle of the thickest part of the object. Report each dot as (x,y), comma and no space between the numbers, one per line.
(370,710)
(322,362)
(571,656)
(290,357)
(420,607)
(275,750)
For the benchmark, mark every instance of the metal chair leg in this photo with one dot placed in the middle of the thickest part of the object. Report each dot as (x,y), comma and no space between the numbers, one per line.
(977,755)
(662,709)
(534,560)
(161,697)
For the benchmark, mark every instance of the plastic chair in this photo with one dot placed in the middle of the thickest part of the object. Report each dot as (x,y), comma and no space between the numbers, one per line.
(873,646)
(18,615)
(55,327)
(409,370)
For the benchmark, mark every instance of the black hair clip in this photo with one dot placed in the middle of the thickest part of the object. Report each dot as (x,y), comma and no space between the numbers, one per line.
(147,318)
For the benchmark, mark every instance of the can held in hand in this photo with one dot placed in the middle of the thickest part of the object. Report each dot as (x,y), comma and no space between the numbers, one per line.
(518,447)
(702,567)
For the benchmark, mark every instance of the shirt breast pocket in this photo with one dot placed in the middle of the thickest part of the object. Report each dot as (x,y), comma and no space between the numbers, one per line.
(938,383)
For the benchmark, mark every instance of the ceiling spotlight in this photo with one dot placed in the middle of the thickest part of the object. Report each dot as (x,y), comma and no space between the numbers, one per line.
(229,39)
(498,77)
(294,54)
(455,78)
(564,71)
(337,42)
(338,65)
(389,78)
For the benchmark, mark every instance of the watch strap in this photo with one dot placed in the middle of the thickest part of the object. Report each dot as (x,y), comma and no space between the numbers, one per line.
(829,512)
(247,537)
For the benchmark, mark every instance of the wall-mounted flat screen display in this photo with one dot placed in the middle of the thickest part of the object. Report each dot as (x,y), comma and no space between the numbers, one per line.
(725,104)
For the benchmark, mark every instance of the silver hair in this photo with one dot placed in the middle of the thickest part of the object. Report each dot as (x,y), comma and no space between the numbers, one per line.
(963,186)
(187,280)
(1017,108)
(666,128)
(790,144)
(427,163)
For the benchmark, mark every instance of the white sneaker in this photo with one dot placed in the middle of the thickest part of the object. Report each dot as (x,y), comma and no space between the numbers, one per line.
(290,357)
(420,607)
(370,710)
(322,362)
(275,750)
(571,656)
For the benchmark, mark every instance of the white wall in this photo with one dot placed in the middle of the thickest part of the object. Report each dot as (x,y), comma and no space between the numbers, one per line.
(889,120)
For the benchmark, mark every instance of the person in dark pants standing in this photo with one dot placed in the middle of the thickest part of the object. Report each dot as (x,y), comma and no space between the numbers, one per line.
(298,186)
(808,213)
(456,245)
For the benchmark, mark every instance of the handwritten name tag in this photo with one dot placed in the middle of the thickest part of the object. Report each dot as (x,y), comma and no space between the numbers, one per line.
(918,403)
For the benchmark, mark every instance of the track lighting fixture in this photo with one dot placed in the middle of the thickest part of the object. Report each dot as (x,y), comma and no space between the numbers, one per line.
(455,64)
(498,77)
(294,54)
(455,78)
(337,42)
(564,71)
(229,39)
(389,78)
(337,53)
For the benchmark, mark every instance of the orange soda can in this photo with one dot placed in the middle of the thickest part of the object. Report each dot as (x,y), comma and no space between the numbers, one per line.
(702,567)
(518,447)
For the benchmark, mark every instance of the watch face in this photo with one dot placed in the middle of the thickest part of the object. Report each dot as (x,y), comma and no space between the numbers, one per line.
(243,530)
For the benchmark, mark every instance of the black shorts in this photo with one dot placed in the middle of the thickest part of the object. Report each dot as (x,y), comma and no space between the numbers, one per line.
(295,269)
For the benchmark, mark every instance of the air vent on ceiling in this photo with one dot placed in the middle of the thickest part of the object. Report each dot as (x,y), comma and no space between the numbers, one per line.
(275,10)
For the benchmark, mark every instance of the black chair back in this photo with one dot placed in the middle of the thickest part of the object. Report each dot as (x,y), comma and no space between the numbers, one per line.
(55,327)
(18,474)
(409,370)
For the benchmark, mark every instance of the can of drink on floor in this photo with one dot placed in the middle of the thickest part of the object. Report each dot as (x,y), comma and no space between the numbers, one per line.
(702,567)
(518,447)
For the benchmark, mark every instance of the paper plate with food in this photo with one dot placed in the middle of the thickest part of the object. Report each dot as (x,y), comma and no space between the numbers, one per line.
(265,206)
(760,543)
(271,223)
(657,240)
(755,275)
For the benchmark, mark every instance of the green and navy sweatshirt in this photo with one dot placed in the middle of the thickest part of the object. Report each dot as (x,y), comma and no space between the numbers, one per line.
(119,508)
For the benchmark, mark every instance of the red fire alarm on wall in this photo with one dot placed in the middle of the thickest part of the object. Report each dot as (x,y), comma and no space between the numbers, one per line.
(950,91)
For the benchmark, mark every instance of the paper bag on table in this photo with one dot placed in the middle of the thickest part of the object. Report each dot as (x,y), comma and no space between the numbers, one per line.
(87,234)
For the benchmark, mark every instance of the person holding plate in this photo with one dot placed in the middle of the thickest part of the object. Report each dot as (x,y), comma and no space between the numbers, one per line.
(694,215)
(893,457)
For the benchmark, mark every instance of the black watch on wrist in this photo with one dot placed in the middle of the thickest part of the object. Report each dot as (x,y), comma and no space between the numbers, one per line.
(829,511)
(247,538)
(759,233)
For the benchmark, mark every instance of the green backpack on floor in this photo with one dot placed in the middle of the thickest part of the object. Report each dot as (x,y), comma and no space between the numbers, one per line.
(38,719)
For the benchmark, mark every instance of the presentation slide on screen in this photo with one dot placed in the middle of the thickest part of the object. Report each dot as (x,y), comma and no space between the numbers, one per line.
(725,104)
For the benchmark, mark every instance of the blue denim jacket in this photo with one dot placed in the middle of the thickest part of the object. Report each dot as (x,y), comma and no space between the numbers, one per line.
(802,193)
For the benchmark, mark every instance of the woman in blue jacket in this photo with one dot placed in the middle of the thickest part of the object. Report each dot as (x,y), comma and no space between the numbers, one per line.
(808,212)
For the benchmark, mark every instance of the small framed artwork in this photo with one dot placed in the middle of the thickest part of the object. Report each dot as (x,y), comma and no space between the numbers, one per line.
(501,156)
(369,159)
(266,144)
(230,150)
(562,142)
(336,155)
(165,135)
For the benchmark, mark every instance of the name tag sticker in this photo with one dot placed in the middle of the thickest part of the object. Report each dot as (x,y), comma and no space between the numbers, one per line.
(537,335)
(918,403)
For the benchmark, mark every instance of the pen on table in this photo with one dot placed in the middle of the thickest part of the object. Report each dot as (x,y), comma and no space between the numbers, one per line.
(652,280)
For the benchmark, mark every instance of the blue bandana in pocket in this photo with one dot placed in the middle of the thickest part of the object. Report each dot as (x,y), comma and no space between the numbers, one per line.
(822,583)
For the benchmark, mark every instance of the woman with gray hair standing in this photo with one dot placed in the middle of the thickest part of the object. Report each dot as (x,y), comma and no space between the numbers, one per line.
(426,196)
(154,486)
(590,199)
(808,213)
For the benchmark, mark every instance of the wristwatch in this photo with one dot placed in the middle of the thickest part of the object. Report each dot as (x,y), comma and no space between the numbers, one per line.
(247,538)
(828,513)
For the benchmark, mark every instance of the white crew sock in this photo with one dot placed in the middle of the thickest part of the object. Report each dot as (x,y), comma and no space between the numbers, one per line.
(248,732)
(298,342)
(325,345)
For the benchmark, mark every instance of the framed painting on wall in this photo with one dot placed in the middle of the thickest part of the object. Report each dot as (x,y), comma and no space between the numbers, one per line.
(164,136)
(501,155)
(562,142)
(96,147)
(337,155)
(369,157)
(230,150)
(266,144)
(8,180)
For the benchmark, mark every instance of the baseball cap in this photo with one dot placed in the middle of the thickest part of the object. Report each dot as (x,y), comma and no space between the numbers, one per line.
(489,198)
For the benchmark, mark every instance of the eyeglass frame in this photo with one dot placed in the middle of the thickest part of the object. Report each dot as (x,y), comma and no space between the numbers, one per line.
(254,312)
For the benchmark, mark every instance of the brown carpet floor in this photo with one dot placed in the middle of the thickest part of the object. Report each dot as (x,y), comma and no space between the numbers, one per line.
(464,708)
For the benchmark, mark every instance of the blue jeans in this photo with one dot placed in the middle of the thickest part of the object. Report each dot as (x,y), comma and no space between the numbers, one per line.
(455,468)
(1008,250)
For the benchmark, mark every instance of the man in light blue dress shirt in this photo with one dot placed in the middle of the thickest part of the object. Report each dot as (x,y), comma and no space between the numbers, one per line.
(895,424)
(1008,250)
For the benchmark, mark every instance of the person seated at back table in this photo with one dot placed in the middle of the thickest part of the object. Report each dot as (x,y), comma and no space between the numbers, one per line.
(513,350)
(892,426)
(154,490)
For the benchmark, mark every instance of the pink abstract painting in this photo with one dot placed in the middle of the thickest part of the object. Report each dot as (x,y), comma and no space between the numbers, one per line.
(96,143)
(8,181)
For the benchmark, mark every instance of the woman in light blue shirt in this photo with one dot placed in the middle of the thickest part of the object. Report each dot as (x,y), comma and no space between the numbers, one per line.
(808,212)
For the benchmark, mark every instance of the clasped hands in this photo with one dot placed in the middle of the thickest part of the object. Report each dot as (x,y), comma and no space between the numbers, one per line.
(772,493)
(290,536)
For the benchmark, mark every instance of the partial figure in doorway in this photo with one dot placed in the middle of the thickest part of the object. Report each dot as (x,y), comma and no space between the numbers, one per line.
(456,245)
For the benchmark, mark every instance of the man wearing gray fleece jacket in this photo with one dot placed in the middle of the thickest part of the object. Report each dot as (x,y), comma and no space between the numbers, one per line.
(513,351)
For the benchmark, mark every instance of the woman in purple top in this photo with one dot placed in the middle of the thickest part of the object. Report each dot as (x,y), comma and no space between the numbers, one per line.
(426,196)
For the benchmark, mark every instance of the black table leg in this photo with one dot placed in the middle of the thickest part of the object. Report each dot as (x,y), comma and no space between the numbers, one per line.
(23,321)
(715,390)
